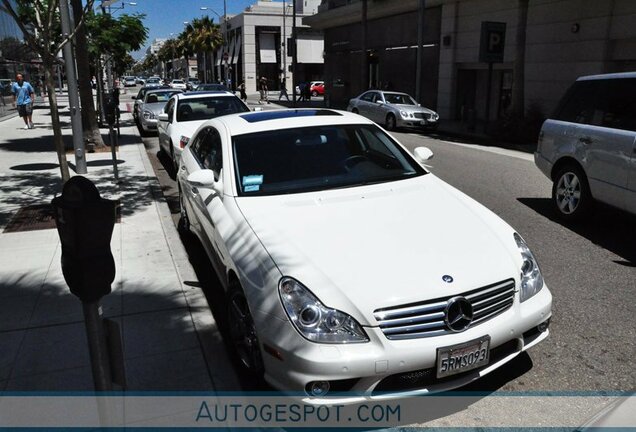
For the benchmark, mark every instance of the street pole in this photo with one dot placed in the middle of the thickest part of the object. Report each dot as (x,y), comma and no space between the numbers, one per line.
(73,94)
(420,42)
(365,63)
(284,55)
(294,56)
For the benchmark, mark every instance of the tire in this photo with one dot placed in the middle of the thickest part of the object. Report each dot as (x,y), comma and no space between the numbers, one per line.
(184,220)
(571,196)
(175,165)
(243,333)
(355,110)
(390,122)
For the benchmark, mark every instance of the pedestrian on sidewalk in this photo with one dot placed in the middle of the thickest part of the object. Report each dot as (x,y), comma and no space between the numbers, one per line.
(283,89)
(263,90)
(301,87)
(23,99)
(242,90)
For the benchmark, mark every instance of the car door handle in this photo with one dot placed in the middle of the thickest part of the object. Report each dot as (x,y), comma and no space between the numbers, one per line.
(585,140)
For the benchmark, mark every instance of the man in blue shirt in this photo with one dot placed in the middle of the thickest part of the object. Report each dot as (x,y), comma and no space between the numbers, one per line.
(23,98)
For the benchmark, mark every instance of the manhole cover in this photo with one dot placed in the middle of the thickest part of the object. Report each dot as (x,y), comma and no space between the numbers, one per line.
(38,217)
(31,218)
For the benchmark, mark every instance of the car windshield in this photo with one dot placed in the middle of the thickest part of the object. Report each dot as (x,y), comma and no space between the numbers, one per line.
(205,108)
(211,87)
(177,82)
(399,99)
(153,80)
(318,158)
(155,97)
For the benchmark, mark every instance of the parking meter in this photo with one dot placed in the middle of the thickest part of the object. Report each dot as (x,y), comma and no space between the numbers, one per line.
(85,223)
(110,107)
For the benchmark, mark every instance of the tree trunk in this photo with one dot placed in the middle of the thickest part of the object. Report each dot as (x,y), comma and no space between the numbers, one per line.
(519,66)
(92,134)
(55,118)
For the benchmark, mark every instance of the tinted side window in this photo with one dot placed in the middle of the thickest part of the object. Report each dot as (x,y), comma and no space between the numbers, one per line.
(579,102)
(196,144)
(368,97)
(619,110)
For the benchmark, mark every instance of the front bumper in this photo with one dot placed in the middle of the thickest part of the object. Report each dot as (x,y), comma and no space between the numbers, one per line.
(416,123)
(149,124)
(369,370)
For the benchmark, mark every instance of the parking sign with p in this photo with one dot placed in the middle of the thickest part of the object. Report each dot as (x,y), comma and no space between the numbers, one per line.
(493,42)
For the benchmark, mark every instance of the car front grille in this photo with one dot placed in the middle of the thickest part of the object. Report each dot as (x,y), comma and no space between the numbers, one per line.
(426,116)
(425,319)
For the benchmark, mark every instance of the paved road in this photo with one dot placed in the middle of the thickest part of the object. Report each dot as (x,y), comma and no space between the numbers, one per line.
(590,268)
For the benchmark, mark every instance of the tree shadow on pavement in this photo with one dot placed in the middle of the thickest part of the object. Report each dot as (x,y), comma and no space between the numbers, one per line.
(44,346)
(606,226)
(34,144)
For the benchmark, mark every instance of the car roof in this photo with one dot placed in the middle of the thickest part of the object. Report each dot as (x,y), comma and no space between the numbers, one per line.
(608,76)
(197,95)
(251,122)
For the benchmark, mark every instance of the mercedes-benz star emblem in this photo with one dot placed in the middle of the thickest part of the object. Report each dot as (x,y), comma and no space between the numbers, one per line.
(447,278)
(458,314)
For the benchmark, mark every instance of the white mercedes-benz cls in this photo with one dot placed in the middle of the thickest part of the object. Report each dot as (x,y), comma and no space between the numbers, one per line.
(349,268)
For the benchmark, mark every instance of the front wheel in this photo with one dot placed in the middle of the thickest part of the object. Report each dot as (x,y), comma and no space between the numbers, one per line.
(571,196)
(184,220)
(390,122)
(243,332)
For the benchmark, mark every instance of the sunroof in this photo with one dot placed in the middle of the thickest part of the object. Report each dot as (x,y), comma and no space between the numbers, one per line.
(283,114)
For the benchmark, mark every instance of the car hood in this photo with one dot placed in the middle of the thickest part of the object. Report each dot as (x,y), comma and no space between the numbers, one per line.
(361,249)
(412,108)
(155,108)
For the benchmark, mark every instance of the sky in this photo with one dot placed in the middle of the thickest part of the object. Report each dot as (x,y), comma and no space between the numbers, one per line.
(167,16)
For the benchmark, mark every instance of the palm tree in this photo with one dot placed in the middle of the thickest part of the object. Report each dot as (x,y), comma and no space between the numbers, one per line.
(203,36)
(167,52)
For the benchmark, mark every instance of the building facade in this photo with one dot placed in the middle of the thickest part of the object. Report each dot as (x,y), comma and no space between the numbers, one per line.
(547,44)
(258,45)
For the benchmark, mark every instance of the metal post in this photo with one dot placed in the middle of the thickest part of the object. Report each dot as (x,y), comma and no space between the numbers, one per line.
(365,63)
(113,144)
(97,346)
(73,94)
(284,55)
(294,56)
(420,42)
(488,91)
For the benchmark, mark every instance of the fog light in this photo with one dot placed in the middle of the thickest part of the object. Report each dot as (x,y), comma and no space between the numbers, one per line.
(318,388)
(544,325)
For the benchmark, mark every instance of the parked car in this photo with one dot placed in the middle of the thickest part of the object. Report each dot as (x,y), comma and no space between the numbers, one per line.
(350,267)
(211,87)
(317,88)
(139,98)
(588,147)
(129,81)
(154,82)
(153,104)
(393,110)
(192,84)
(186,111)
(178,84)
(140,80)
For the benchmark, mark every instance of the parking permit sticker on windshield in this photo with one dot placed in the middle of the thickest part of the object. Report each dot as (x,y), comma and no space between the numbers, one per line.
(252,183)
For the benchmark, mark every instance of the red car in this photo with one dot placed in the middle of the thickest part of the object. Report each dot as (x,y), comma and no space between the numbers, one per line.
(317,88)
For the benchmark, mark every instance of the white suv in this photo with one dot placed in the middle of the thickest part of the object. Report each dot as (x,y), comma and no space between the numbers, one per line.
(588,148)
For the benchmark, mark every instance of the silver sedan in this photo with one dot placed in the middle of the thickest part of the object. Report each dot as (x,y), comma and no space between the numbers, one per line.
(393,110)
(148,111)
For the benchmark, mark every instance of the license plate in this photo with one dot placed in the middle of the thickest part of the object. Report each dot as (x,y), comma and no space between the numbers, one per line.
(463,357)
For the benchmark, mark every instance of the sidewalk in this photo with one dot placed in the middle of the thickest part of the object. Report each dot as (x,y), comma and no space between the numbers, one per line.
(170,339)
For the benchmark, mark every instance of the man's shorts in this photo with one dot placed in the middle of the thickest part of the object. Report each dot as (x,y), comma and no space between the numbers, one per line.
(25,110)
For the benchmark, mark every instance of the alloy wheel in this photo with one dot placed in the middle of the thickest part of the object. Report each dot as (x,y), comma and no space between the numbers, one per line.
(568,193)
(243,332)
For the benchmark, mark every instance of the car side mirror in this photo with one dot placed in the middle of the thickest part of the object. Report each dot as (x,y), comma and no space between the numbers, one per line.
(203,178)
(163,117)
(379,102)
(423,154)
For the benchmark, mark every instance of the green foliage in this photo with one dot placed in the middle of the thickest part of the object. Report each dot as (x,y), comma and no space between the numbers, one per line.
(115,36)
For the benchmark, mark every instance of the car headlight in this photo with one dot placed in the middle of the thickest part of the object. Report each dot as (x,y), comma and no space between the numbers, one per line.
(531,278)
(148,115)
(315,321)
(404,114)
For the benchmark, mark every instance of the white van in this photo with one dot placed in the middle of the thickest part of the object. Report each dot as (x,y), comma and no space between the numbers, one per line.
(588,147)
